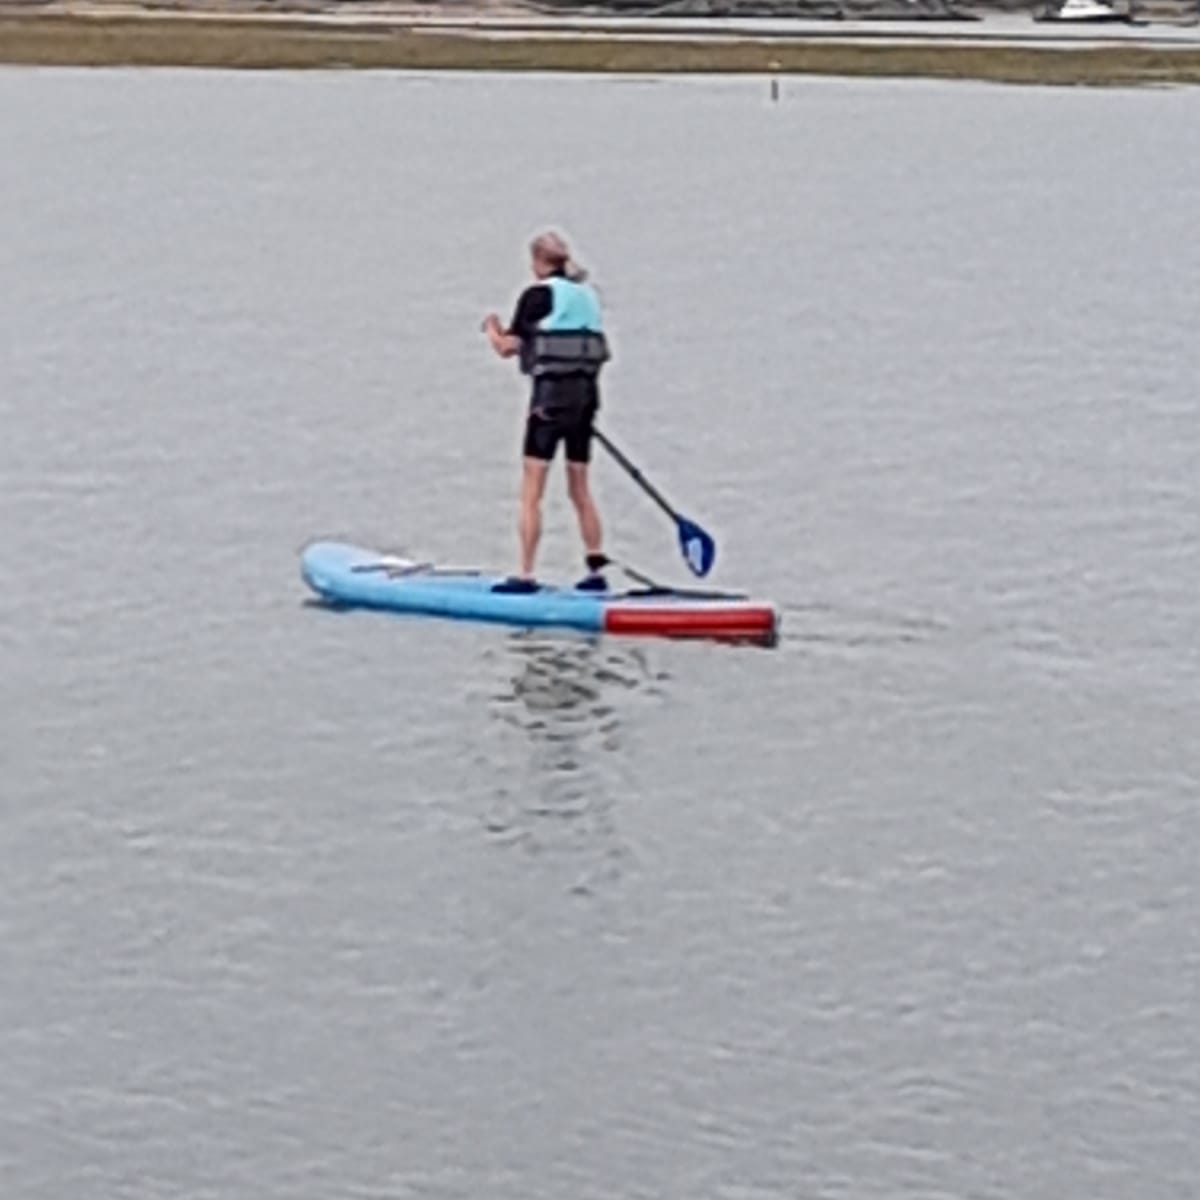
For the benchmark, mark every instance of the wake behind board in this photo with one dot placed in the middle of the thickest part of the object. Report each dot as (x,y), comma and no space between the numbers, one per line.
(358,577)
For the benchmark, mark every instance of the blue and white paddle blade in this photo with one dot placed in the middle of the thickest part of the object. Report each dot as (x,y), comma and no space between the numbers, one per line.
(699,550)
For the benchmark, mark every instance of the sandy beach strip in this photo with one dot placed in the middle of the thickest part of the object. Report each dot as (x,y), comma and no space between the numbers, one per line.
(399,39)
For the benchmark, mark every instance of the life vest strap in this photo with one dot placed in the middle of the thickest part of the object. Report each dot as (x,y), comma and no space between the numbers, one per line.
(568,352)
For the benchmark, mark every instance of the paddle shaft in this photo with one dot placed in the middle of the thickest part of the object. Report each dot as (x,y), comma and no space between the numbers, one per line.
(667,590)
(637,476)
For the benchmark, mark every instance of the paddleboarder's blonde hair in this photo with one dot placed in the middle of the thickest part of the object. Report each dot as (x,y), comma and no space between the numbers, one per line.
(551,247)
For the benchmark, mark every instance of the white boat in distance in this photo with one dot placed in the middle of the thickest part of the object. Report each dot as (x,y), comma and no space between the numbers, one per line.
(1084,11)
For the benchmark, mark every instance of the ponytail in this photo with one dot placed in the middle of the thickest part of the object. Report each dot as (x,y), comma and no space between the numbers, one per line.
(552,248)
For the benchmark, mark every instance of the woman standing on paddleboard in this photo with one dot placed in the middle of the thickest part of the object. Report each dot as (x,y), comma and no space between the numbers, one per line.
(558,332)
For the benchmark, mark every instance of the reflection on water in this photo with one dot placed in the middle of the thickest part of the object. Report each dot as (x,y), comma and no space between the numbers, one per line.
(558,726)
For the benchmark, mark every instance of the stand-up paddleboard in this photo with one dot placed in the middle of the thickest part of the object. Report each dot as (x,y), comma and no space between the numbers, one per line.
(354,576)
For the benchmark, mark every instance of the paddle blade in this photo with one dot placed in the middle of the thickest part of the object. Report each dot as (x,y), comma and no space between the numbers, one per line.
(699,550)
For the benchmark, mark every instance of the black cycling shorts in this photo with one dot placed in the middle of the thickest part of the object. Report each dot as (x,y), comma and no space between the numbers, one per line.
(548,424)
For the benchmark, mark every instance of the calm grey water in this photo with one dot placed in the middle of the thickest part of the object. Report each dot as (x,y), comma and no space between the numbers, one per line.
(307,905)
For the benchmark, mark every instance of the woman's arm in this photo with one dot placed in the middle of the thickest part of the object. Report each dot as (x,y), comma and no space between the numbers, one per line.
(504,344)
(534,303)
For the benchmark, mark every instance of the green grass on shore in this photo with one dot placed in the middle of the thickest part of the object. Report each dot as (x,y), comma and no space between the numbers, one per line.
(178,40)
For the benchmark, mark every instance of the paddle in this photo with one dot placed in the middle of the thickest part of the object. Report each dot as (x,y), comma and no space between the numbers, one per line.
(698,549)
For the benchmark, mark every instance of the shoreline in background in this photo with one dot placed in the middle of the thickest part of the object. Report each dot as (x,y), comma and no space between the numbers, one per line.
(512,39)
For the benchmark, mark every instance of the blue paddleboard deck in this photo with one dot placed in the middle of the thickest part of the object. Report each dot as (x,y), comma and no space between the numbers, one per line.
(356,576)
